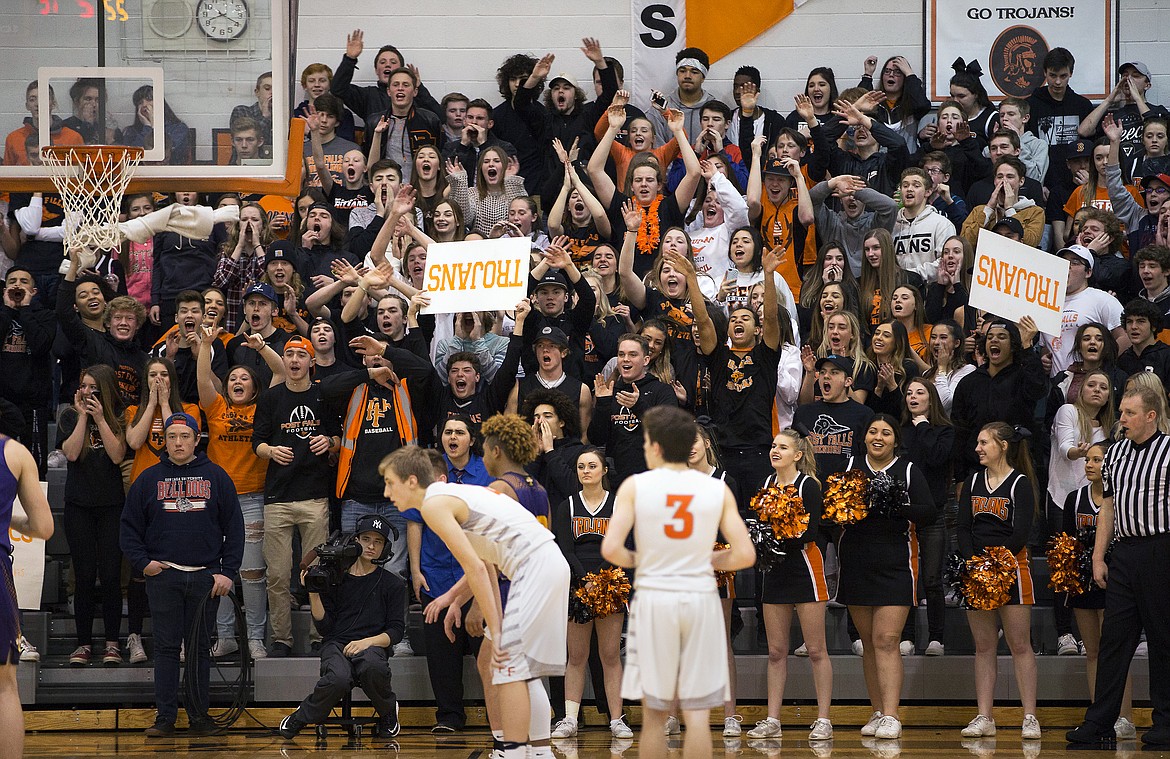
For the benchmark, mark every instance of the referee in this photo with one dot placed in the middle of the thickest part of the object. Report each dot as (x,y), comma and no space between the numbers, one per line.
(1137,511)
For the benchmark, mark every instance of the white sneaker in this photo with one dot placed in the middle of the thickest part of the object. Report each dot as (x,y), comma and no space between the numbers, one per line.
(906,648)
(935,648)
(566,728)
(731,728)
(769,727)
(402,648)
(135,648)
(28,652)
(1124,729)
(1030,731)
(869,729)
(224,647)
(821,730)
(672,726)
(1142,650)
(980,727)
(801,650)
(57,460)
(619,729)
(888,729)
(256,649)
(1066,645)
(858,648)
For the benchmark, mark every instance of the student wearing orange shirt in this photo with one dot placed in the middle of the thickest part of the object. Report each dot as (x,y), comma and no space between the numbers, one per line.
(781,208)
(229,417)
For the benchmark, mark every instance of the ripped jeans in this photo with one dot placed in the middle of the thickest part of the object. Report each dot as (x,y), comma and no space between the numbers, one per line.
(251,574)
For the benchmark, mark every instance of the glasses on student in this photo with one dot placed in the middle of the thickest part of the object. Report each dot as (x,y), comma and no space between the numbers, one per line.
(891,71)
(934,171)
(1158,190)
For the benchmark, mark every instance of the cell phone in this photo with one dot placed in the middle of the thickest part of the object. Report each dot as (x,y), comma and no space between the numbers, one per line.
(658,100)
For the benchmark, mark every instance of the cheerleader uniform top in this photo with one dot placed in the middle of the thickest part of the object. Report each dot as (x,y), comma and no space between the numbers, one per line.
(810,498)
(995,517)
(1080,511)
(920,509)
(580,529)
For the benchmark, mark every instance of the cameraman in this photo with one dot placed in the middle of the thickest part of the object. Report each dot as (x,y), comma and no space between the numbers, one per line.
(359,619)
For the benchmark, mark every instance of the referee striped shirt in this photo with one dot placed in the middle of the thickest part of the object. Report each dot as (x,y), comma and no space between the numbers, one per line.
(1138,477)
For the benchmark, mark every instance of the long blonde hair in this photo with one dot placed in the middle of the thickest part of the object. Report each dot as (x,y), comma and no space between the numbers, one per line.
(856,348)
(1105,415)
(807,464)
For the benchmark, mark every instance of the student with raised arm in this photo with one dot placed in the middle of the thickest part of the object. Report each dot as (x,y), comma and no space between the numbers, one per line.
(646,184)
(577,213)
(488,532)
(785,218)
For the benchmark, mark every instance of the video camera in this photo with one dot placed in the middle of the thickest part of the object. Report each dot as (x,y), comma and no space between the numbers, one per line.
(335,556)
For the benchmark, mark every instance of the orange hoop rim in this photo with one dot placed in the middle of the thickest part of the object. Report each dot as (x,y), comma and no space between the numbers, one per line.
(102,153)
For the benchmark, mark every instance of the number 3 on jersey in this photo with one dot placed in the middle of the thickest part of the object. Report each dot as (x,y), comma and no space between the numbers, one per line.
(683,523)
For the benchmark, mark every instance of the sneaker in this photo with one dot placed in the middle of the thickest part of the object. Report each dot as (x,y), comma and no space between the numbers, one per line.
(160,729)
(280,651)
(57,460)
(1124,729)
(135,648)
(1030,730)
(1142,651)
(906,648)
(204,728)
(388,725)
(1066,645)
(28,652)
(1088,733)
(442,728)
(402,648)
(821,730)
(289,727)
(801,650)
(224,647)
(980,727)
(731,728)
(112,656)
(768,727)
(80,656)
(869,729)
(619,729)
(888,728)
(858,648)
(566,728)
(935,648)
(256,649)
(672,726)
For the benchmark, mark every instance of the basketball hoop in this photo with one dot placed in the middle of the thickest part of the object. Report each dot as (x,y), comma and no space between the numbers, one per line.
(91,180)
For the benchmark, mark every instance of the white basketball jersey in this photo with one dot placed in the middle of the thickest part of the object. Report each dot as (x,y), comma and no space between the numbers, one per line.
(676,520)
(499,529)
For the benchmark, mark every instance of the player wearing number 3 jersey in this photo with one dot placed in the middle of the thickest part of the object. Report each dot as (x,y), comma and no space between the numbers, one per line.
(676,646)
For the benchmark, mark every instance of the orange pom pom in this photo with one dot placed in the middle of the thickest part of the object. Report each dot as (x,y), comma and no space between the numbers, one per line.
(783,509)
(723,579)
(989,579)
(604,592)
(846,497)
(1064,563)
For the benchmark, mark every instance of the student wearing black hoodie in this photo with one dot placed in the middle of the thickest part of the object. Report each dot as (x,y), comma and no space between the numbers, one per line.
(182,528)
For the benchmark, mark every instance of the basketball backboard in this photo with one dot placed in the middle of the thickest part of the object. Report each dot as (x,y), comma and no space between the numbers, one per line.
(200,72)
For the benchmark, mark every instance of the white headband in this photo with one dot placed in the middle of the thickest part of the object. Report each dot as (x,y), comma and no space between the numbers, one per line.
(693,63)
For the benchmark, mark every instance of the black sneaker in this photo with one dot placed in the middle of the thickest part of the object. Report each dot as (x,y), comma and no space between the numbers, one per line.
(1156,737)
(443,728)
(289,727)
(388,726)
(280,651)
(204,728)
(1089,733)
(160,729)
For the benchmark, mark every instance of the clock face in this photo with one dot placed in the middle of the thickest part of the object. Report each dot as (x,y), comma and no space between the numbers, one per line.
(222,19)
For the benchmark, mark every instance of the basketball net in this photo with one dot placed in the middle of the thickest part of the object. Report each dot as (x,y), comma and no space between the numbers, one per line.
(91,181)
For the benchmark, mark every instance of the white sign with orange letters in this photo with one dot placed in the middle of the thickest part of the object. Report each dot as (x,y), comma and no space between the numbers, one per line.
(28,562)
(477,275)
(1013,280)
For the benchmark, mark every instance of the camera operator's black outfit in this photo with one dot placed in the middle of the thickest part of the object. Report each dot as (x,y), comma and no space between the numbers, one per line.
(361,607)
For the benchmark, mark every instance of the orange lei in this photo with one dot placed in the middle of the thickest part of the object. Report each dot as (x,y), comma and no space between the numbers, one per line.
(648,233)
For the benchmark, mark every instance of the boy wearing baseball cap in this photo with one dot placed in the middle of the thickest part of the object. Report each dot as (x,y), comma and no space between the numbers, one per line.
(183,529)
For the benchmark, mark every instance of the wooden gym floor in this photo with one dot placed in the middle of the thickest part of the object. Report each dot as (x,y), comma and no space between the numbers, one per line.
(935,734)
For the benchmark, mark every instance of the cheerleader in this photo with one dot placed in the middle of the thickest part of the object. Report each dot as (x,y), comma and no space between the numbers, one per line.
(879,572)
(996,508)
(798,583)
(705,458)
(1080,513)
(579,524)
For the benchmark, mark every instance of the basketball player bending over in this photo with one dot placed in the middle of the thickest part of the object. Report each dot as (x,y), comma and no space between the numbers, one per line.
(486,530)
(676,645)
